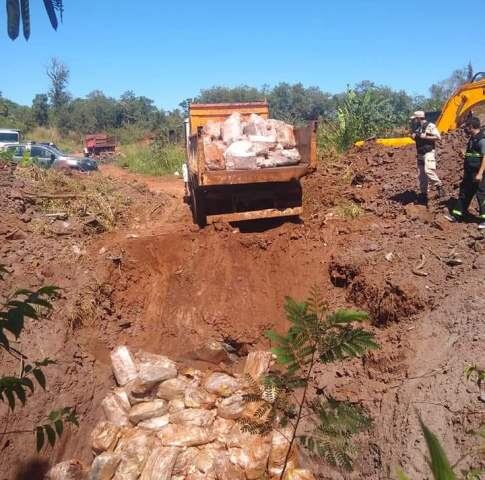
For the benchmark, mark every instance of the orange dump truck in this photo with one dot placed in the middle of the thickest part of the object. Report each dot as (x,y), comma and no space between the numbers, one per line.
(235,195)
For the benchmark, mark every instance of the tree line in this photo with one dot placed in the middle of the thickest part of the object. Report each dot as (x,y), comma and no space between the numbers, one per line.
(132,117)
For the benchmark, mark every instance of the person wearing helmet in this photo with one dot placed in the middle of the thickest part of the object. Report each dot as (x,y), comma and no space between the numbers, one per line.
(473,183)
(425,134)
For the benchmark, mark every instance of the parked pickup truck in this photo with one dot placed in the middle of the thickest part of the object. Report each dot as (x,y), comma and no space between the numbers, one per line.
(9,136)
(236,195)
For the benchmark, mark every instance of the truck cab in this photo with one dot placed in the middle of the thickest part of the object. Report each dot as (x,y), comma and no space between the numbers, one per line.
(9,137)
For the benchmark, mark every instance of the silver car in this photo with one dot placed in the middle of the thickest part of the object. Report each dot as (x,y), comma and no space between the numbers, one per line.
(47,156)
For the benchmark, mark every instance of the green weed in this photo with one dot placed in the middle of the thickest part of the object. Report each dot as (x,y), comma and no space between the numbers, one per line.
(152,160)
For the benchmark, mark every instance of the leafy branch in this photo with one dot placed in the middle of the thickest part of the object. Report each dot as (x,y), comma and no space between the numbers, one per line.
(21,306)
(315,336)
(54,427)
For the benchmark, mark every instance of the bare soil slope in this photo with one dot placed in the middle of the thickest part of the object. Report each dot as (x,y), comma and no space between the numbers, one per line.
(156,281)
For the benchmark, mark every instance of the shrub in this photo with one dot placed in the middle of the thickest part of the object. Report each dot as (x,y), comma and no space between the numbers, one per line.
(152,159)
(316,337)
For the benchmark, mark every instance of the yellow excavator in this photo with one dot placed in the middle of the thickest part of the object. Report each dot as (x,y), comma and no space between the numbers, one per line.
(456,110)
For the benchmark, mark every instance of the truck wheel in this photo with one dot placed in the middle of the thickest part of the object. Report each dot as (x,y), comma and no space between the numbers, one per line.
(198,208)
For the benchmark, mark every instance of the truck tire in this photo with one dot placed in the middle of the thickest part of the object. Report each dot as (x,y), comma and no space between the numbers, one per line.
(198,207)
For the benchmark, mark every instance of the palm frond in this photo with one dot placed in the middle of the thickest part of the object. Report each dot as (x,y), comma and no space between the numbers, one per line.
(13,18)
(51,12)
(25,10)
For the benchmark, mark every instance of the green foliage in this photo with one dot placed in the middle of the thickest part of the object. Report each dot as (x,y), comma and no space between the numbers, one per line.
(438,460)
(58,73)
(155,159)
(363,112)
(6,156)
(316,336)
(313,331)
(15,311)
(20,307)
(337,423)
(440,466)
(40,109)
(54,427)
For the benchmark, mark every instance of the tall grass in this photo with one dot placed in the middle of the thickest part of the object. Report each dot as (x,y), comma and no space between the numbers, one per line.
(151,160)
(69,143)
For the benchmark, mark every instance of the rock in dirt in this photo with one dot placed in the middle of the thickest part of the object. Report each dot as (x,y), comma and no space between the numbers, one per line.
(69,470)
(172,388)
(185,463)
(185,435)
(299,474)
(134,448)
(155,423)
(285,135)
(258,363)
(213,130)
(240,156)
(280,443)
(153,369)
(232,128)
(221,384)
(123,365)
(225,470)
(114,411)
(196,397)
(146,410)
(104,437)
(212,352)
(194,416)
(122,396)
(222,428)
(160,463)
(104,466)
(232,407)
(176,405)
(214,156)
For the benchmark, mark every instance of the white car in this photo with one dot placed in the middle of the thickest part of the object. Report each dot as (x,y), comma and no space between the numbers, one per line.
(9,136)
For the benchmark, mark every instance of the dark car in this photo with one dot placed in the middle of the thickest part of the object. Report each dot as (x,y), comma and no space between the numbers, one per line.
(47,156)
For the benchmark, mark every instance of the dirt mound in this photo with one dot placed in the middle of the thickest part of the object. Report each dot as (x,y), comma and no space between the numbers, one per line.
(159,283)
(386,297)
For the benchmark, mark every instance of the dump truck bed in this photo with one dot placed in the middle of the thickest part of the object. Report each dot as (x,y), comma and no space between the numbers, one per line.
(200,114)
(236,195)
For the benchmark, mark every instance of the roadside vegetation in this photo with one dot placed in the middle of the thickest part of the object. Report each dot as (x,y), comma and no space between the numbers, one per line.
(151,139)
(151,159)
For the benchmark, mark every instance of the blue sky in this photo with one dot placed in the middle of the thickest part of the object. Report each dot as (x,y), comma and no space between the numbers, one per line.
(168,51)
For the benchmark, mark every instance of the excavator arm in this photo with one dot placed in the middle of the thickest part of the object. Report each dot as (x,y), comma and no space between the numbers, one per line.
(461,102)
(454,112)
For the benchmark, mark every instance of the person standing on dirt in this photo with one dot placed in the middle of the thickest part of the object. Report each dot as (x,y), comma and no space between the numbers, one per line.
(473,182)
(425,134)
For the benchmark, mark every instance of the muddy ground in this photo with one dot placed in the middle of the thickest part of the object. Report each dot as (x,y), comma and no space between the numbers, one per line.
(149,278)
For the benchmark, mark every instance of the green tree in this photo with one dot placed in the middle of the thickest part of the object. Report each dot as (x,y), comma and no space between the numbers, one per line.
(221,94)
(296,104)
(58,73)
(20,9)
(316,337)
(40,109)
